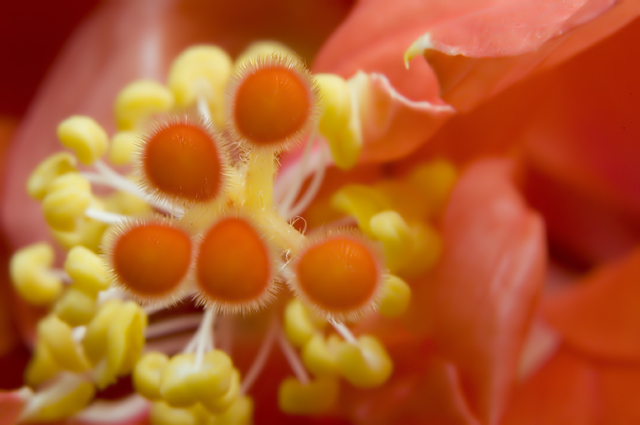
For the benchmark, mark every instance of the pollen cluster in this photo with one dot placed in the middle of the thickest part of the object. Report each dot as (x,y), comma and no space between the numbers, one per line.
(201,220)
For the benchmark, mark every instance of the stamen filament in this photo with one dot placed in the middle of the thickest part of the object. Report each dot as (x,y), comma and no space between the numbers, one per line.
(261,357)
(294,360)
(315,185)
(203,109)
(173,325)
(105,217)
(294,190)
(344,332)
(203,337)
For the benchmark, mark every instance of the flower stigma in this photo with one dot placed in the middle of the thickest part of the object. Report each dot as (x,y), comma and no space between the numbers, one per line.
(201,217)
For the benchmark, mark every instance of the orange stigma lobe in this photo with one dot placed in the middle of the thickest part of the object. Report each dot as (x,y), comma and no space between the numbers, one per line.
(339,275)
(151,260)
(233,268)
(273,103)
(181,160)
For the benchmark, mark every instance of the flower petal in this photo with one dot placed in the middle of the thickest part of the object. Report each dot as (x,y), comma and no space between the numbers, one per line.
(11,404)
(393,125)
(486,287)
(600,314)
(564,391)
(376,34)
(582,138)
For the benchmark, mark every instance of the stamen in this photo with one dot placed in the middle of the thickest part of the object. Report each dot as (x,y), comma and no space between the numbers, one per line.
(261,357)
(204,337)
(105,216)
(344,332)
(108,177)
(173,325)
(294,190)
(292,357)
(315,185)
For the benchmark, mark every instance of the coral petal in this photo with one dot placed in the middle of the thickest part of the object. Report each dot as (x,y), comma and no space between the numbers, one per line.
(600,313)
(486,287)
(564,391)
(11,404)
(392,124)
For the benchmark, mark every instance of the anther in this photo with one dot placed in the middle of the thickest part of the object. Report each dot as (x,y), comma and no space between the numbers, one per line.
(234,266)
(85,137)
(184,161)
(149,258)
(273,103)
(340,275)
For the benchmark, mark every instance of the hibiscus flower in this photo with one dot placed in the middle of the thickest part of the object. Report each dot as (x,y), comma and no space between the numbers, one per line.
(473,255)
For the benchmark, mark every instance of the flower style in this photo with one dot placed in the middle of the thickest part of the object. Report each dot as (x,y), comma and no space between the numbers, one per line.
(429,293)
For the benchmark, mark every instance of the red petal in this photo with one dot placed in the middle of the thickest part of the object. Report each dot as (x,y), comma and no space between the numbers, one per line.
(600,314)
(392,125)
(11,404)
(564,391)
(619,385)
(584,138)
(487,284)
(378,32)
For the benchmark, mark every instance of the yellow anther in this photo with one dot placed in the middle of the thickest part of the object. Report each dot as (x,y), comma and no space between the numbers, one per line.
(126,204)
(395,298)
(68,197)
(52,167)
(427,247)
(29,270)
(87,233)
(114,340)
(260,48)
(201,72)
(360,201)
(65,398)
(217,405)
(41,367)
(123,147)
(87,270)
(163,414)
(299,323)
(337,124)
(345,146)
(319,355)
(183,384)
(240,413)
(389,228)
(317,397)
(58,338)
(335,101)
(85,137)
(139,101)
(147,374)
(435,179)
(365,364)
(76,307)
